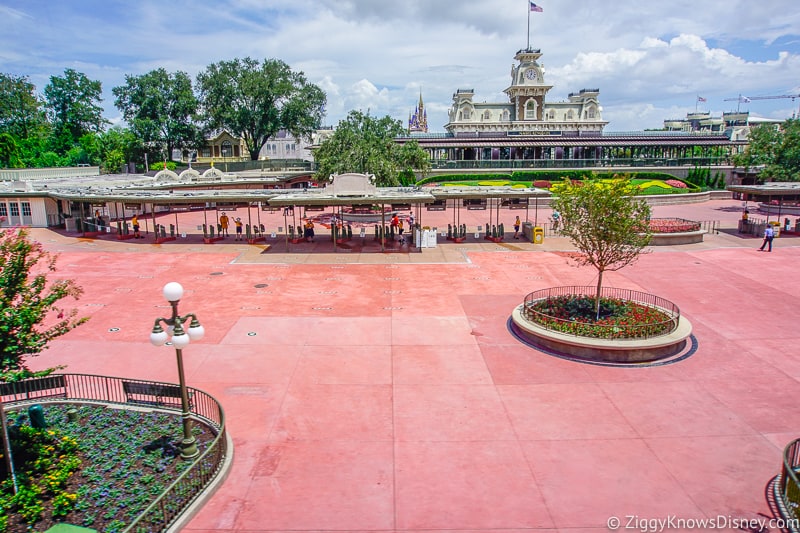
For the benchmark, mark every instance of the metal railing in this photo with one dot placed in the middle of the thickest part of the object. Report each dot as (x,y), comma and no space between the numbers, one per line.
(176,498)
(789,484)
(669,310)
(440,164)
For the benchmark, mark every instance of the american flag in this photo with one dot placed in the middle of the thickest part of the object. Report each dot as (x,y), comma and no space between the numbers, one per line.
(536,8)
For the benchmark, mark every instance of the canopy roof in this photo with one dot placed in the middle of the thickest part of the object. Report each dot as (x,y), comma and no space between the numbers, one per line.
(775,188)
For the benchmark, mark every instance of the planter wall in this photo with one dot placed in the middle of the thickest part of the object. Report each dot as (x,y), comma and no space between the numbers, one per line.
(671,239)
(629,351)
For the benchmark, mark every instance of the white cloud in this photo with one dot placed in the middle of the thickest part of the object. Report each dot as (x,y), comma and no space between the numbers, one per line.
(650,60)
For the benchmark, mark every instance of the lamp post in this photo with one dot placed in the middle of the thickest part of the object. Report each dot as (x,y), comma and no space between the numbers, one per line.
(181,337)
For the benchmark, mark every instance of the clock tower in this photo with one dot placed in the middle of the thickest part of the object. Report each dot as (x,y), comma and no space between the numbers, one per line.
(528,89)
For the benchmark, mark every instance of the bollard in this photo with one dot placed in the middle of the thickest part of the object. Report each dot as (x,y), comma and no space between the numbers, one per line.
(72,415)
(36,414)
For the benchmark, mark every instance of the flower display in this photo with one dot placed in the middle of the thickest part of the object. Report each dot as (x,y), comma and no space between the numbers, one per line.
(672,225)
(619,319)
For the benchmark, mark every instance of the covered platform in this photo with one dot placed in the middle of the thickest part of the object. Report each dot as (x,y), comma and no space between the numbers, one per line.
(350,203)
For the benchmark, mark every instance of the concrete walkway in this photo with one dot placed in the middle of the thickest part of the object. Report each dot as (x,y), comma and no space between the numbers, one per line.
(384,392)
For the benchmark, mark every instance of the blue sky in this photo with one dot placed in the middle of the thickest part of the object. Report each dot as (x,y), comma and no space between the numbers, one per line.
(650,60)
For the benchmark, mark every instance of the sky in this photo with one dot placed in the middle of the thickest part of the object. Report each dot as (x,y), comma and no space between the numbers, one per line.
(651,60)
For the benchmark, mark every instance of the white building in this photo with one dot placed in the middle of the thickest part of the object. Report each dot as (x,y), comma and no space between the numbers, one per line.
(527,111)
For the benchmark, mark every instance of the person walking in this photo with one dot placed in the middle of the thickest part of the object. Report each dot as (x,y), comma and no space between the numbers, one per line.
(769,234)
(517,224)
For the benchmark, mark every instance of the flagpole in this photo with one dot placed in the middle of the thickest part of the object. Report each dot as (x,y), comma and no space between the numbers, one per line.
(528,5)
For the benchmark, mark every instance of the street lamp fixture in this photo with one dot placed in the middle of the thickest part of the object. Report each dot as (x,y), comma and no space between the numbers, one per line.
(180,337)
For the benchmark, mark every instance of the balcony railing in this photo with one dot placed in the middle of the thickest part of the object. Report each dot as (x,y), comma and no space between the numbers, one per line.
(168,507)
(533,164)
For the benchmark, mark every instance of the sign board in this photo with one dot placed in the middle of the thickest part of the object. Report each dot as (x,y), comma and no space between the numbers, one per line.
(135,207)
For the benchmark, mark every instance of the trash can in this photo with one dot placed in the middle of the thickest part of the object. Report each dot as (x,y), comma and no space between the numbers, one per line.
(538,235)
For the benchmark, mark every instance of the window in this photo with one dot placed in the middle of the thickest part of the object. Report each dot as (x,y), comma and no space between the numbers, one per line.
(14,209)
(530,110)
(570,115)
(227,149)
(552,115)
(26,209)
(3,210)
(591,112)
(466,114)
(505,115)
(487,115)
(206,152)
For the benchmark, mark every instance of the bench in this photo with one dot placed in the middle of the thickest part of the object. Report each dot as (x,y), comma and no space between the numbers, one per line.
(36,388)
(154,394)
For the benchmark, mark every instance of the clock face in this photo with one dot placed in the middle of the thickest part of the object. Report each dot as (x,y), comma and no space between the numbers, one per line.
(530,74)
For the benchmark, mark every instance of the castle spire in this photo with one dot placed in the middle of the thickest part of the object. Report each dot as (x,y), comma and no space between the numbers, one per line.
(418,120)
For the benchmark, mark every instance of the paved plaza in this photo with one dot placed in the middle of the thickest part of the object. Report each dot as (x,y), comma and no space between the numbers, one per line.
(385,392)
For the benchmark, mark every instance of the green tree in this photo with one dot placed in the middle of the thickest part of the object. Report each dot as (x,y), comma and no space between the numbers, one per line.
(30,314)
(365,144)
(775,149)
(256,100)
(160,108)
(9,151)
(20,108)
(74,105)
(118,146)
(605,222)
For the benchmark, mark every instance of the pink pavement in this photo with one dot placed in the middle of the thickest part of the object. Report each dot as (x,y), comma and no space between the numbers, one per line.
(387,393)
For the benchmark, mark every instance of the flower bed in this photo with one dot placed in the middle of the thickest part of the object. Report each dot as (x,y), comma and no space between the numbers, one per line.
(619,319)
(673,225)
(100,471)
(633,327)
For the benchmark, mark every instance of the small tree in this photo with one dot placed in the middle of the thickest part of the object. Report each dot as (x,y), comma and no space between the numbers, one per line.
(30,316)
(606,223)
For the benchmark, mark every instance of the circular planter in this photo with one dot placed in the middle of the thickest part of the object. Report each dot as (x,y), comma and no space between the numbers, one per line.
(671,239)
(685,232)
(620,351)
